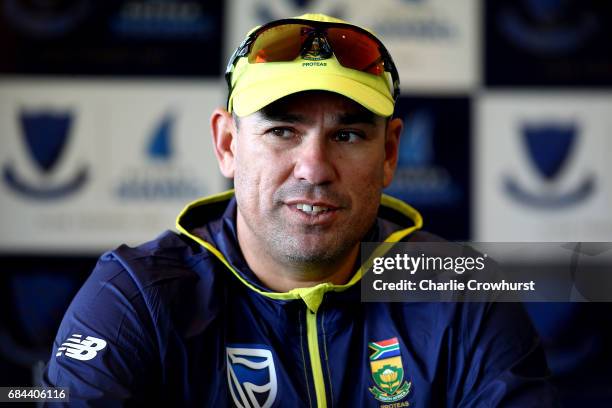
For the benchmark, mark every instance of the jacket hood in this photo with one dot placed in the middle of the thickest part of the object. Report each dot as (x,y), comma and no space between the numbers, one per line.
(210,221)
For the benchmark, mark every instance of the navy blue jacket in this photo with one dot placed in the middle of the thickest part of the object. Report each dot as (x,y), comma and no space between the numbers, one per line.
(182,320)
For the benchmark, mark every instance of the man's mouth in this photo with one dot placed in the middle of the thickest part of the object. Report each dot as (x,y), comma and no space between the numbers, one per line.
(312,209)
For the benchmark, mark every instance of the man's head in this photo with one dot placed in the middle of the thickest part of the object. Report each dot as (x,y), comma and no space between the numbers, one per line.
(309,165)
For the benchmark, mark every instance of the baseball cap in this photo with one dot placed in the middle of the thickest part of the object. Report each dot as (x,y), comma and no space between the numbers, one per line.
(254,85)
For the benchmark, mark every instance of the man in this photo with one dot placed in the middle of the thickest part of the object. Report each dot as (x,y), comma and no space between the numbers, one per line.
(256,303)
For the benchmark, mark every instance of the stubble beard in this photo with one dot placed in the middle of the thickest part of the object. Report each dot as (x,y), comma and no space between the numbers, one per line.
(309,247)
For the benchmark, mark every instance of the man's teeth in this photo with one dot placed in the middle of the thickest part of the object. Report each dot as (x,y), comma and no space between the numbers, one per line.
(312,209)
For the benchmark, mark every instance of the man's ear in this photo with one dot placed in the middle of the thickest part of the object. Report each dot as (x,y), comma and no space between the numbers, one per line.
(224,134)
(392,140)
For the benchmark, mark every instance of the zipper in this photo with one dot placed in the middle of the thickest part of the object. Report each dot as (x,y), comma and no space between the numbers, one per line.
(315,358)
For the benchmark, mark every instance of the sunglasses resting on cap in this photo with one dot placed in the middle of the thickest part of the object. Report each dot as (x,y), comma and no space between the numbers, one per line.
(311,52)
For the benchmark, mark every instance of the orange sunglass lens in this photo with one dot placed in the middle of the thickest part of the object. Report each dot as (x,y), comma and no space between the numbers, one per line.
(356,50)
(277,44)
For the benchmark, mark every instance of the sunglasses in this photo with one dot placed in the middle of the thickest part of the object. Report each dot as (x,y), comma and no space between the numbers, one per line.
(285,40)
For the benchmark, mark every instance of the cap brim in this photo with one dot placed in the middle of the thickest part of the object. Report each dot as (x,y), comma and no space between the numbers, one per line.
(262,93)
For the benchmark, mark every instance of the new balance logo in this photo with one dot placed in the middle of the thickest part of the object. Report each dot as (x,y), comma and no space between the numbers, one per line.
(81,349)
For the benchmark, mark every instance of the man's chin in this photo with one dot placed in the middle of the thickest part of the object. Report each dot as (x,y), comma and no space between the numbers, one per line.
(307,252)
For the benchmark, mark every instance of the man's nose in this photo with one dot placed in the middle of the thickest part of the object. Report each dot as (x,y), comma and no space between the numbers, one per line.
(314,162)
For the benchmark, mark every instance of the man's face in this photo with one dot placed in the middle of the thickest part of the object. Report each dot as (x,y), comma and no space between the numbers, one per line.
(308,174)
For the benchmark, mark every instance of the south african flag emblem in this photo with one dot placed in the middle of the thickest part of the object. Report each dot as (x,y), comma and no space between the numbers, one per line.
(387,371)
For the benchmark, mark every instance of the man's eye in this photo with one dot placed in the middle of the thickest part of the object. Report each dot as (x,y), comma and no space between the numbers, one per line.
(282,133)
(347,137)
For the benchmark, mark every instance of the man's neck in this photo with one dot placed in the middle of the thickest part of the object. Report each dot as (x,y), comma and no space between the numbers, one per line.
(284,276)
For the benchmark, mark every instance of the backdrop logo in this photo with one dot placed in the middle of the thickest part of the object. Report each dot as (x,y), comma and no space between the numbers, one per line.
(251,376)
(163,19)
(159,176)
(548,26)
(416,20)
(46,135)
(160,146)
(47,18)
(418,179)
(549,147)
(276,9)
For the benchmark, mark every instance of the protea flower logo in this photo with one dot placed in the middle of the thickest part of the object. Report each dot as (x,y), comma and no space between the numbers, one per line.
(387,371)
(389,378)
(318,48)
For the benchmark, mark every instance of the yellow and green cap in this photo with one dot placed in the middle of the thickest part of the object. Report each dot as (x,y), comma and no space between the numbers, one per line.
(255,85)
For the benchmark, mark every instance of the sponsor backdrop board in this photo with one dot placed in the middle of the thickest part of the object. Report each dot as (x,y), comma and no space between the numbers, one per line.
(111,37)
(433,173)
(433,42)
(87,165)
(556,43)
(543,167)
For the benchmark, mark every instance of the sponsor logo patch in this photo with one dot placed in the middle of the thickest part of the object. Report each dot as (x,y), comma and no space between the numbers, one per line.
(387,371)
(251,376)
(81,349)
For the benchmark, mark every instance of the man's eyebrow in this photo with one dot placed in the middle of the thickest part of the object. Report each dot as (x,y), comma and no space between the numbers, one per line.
(346,118)
(351,118)
(272,116)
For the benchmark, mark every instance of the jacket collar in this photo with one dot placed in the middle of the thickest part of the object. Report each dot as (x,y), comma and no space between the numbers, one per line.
(211,222)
